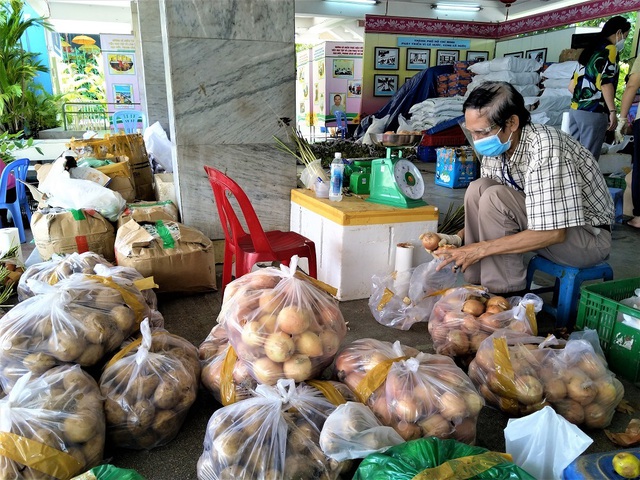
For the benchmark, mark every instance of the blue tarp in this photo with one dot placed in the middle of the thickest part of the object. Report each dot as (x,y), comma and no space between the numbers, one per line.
(415,90)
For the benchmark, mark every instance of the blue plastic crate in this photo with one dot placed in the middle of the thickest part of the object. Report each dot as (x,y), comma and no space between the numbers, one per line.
(427,154)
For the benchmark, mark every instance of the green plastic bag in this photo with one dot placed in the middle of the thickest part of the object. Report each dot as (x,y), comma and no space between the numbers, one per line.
(435,459)
(92,162)
(109,472)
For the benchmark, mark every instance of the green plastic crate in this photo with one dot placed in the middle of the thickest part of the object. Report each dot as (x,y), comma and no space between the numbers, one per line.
(598,310)
(615,182)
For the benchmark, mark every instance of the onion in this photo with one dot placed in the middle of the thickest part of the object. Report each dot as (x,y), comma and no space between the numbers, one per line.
(528,389)
(459,342)
(597,416)
(406,409)
(607,392)
(465,431)
(251,335)
(269,301)
(330,342)
(452,406)
(308,343)
(581,389)
(470,324)
(279,346)
(554,389)
(499,301)
(266,371)
(298,367)
(430,241)
(436,425)
(408,431)
(570,410)
(294,320)
(474,307)
(494,309)
(592,366)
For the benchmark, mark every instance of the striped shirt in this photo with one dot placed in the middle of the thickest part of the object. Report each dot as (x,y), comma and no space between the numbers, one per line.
(562,182)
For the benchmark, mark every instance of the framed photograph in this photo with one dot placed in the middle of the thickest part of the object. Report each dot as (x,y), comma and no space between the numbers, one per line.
(123,95)
(385,85)
(337,101)
(418,58)
(386,58)
(121,64)
(477,56)
(342,68)
(538,54)
(447,57)
(514,54)
(354,88)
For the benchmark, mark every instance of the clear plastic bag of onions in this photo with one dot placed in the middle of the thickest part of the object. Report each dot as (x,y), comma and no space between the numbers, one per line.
(418,394)
(283,325)
(522,374)
(465,316)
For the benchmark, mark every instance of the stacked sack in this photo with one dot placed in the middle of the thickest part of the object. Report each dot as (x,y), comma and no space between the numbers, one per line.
(432,111)
(556,97)
(452,84)
(464,317)
(417,394)
(522,73)
(272,435)
(279,325)
(149,386)
(521,374)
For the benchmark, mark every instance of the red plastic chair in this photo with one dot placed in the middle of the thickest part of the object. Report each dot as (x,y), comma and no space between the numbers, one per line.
(257,245)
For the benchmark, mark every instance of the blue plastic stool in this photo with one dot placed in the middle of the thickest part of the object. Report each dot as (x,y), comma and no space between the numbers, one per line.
(567,286)
(617,194)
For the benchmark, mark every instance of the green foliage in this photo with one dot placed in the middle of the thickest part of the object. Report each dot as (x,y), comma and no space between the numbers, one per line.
(18,67)
(42,110)
(13,141)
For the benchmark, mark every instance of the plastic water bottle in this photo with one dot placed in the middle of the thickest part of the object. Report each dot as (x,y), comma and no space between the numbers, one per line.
(337,174)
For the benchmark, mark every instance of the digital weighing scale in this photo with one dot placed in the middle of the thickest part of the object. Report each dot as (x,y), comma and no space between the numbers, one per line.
(396,181)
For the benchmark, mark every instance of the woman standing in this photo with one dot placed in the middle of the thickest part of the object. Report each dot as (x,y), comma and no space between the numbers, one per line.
(593,108)
(631,121)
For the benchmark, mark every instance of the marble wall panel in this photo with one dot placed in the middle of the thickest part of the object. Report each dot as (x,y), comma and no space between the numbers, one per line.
(258,20)
(265,174)
(230,92)
(149,10)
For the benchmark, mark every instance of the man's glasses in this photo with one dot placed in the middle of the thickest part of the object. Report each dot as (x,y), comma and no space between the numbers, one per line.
(483,132)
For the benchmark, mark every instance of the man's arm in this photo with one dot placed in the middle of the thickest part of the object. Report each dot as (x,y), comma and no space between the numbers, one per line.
(521,242)
(633,84)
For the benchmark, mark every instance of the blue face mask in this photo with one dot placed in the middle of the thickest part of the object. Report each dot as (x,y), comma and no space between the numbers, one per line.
(492,146)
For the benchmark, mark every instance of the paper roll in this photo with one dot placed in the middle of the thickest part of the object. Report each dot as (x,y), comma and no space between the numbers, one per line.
(404,257)
(564,126)
(9,238)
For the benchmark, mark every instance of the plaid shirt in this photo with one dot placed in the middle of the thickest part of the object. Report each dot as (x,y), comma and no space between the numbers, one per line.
(560,178)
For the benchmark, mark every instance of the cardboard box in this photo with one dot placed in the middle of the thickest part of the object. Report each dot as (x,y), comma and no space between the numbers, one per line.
(129,145)
(179,258)
(149,212)
(456,167)
(121,178)
(56,230)
(164,187)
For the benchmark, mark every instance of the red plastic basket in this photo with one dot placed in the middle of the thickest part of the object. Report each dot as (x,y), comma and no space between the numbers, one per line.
(451,137)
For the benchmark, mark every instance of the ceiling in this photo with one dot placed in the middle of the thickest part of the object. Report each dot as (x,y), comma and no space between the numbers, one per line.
(315,20)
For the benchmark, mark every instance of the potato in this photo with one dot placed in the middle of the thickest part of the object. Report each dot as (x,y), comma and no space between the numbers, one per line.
(166,395)
(39,362)
(115,413)
(124,318)
(66,346)
(141,416)
(79,428)
(165,423)
(91,355)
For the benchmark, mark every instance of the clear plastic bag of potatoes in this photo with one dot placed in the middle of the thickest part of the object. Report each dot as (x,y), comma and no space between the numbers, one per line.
(415,393)
(282,325)
(52,426)
(522,374)
(58,268)
(403,298)
(63,266)
(273,435)
(149,387)
(465,316)
(78,320)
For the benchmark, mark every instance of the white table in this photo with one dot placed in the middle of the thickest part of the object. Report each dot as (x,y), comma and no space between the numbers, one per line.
(356,239)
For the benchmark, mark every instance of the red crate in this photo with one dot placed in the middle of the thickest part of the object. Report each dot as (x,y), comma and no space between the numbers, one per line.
(451,137)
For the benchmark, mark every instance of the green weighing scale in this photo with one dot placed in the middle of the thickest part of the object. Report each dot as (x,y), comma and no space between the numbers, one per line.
(396,181)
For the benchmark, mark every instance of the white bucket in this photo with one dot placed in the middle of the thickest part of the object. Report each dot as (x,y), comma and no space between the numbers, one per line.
(9,238)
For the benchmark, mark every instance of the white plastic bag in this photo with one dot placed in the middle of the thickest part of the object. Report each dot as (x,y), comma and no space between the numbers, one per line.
(353,431)
(158,144)
(73,193)
(544,443)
